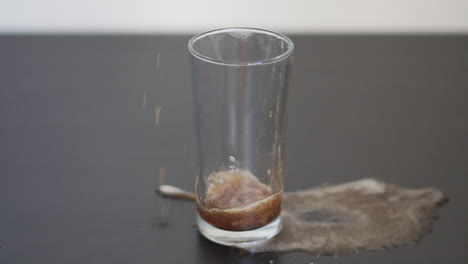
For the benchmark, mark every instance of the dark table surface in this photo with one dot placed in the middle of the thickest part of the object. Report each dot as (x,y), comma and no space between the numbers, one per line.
(81,150)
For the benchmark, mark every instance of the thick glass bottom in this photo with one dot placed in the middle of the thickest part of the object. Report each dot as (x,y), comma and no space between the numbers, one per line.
(230,238)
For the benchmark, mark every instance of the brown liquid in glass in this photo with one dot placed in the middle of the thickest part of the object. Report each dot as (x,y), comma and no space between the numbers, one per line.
(237,201)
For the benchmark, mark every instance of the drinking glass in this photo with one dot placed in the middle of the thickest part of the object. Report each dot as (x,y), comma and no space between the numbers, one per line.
(240,88)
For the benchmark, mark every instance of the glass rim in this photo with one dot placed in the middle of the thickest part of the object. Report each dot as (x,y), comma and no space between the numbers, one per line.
(280,57)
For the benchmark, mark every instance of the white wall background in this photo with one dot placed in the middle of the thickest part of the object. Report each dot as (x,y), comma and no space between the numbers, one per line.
(177,16)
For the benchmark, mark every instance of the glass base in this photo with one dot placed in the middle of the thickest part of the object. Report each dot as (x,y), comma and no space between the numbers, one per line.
(239,238)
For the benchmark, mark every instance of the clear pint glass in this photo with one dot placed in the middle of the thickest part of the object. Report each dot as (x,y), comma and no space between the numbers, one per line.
(240,90)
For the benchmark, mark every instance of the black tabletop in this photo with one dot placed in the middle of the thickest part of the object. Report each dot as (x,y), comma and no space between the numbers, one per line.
(87,123)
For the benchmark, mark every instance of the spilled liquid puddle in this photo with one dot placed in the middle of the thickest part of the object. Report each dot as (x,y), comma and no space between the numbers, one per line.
(348,218)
